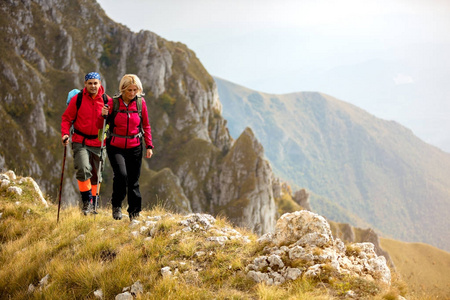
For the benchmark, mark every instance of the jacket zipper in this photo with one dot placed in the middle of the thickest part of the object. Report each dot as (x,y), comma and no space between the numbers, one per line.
(128,126)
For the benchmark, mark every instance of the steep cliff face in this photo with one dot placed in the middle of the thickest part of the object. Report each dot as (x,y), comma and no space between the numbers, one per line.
(250,202)
(51,44)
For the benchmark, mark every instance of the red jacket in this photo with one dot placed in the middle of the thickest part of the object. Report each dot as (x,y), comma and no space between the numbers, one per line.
(87,116)
(127,124)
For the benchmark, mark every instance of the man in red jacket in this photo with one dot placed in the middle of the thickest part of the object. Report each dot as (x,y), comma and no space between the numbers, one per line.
(85,142)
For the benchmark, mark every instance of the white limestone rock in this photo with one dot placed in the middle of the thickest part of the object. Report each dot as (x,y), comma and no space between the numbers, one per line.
(15,190)
(292,227)
(124,296)
(166,272)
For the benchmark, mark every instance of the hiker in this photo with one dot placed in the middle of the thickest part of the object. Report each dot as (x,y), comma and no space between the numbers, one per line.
(82,112)
(128,122)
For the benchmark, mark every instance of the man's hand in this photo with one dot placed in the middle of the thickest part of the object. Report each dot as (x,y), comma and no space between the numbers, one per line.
(65,140)
(105,111)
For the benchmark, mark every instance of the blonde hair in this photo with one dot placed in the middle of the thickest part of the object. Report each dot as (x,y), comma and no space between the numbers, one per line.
(130,79)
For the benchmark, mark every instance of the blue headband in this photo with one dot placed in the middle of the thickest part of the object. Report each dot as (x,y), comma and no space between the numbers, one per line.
(92,75)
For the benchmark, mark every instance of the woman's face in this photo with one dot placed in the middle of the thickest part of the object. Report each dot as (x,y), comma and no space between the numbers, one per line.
(130,92)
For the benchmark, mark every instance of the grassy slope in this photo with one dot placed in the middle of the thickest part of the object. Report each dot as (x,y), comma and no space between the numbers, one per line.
(84,254)
(425,269)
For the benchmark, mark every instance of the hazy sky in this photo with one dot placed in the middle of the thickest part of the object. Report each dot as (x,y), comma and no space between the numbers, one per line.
(350,49)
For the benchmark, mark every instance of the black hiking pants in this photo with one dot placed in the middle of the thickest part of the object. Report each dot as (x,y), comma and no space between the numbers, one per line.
(126,165)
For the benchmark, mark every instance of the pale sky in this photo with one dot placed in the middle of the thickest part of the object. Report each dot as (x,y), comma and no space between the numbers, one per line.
(390,58)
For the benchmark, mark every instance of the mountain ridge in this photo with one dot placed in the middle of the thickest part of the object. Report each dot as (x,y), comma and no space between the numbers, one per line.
(372,168)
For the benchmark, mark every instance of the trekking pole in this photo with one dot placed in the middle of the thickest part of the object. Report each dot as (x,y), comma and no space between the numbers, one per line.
(62,177)
(99,171)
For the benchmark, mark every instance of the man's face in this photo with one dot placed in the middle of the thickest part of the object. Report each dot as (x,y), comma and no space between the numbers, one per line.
(92,86)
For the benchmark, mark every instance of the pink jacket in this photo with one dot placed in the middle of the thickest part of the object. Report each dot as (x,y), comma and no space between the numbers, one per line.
(127,124)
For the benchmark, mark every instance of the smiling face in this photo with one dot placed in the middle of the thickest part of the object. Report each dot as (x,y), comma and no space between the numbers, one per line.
(92,86)
(130,92)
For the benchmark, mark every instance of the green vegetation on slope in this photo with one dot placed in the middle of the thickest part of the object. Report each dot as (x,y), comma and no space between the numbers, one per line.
(84,254)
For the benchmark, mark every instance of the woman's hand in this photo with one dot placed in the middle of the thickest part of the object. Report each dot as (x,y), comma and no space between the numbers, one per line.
(149,153)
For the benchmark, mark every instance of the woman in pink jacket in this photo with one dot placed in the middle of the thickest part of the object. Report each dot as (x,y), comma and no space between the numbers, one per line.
(128,124)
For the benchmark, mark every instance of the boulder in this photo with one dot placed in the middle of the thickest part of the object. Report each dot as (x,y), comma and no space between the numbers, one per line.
(305,237)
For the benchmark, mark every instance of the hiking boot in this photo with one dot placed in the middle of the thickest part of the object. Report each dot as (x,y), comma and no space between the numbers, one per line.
(87,208)
(134,216)
(86,198)
(117,213)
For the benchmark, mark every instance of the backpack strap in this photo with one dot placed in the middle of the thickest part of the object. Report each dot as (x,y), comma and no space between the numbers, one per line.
(112,117)
(139,106)
(79,99)
(139,110)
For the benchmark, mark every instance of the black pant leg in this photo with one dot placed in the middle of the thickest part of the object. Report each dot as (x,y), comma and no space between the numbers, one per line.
(117,158)
(134,163)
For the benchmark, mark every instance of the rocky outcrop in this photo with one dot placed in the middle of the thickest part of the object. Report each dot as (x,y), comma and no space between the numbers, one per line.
(350,234)
(245,185)
(302,246)
(164,189)
(13,185)
(302,198)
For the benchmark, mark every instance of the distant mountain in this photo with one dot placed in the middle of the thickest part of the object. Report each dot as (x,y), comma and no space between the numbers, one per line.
(411,92)
(406,85)
(353,163)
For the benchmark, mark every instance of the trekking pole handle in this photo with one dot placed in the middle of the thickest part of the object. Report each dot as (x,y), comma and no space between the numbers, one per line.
(105,116)
(64,141)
